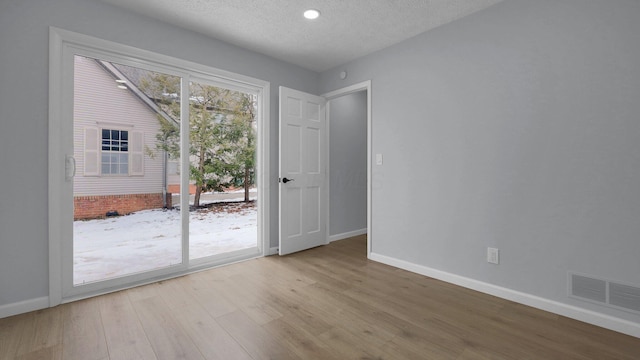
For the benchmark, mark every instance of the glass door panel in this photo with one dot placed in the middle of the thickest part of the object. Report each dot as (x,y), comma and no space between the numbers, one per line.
(223,193)
(126,138)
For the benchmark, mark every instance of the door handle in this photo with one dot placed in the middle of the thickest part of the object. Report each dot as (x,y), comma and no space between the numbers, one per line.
(285,180)
(69,167)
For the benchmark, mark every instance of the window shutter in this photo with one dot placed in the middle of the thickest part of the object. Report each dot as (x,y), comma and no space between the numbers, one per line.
(91,152)
(136,153)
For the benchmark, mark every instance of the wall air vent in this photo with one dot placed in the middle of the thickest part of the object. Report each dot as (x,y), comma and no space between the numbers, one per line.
(609,293)
(588,288)
(624,296)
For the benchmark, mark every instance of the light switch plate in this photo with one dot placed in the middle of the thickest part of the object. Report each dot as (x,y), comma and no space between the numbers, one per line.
(378,159)
(493,256)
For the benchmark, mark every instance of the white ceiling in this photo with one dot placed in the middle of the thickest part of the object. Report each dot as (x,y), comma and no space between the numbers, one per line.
(346,29)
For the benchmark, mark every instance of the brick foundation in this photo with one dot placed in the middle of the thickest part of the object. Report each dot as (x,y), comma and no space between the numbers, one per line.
(175,189)
(93,207)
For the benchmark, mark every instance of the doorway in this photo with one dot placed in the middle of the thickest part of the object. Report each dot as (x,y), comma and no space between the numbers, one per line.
(348,166)
(298,118)
(132,133)
(350,169)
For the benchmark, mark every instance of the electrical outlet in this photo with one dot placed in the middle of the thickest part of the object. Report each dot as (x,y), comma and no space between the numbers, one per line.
(493,256)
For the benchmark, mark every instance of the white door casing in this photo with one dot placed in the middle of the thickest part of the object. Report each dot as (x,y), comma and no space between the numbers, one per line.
(303,171)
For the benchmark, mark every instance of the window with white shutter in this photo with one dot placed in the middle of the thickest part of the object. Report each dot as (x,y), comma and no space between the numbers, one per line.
(113,152)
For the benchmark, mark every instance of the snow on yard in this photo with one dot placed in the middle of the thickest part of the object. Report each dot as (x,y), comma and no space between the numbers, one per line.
(150,239)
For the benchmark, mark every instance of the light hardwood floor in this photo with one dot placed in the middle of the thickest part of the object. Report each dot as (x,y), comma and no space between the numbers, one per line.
(325,303)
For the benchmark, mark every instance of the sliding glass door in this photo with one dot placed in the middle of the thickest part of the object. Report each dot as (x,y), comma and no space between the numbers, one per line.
(162,167)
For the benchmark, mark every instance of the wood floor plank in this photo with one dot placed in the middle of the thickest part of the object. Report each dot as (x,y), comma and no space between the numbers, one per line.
(174,294)
(143,292)
(394,307)
(288,302)
(304,344)
(259,343)
(404,349)
(211,299)
(126,339)
(261,313)
(84,337)
(350,346)
(311,272)
(133,351)
(474,354)
(428,337)
(623,346)
(357,319)
(42,330)
(166,336)
(12,330)
(310,318)
(276,273)
(46,353)
(211,339)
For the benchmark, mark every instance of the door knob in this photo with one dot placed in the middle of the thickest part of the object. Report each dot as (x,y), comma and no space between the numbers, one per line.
(285,180)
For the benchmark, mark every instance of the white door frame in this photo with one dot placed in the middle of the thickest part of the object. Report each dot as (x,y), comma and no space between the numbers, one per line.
(363,86)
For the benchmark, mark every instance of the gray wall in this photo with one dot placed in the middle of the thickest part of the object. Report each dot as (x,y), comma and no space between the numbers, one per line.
(348,163)
(24,78)
(517,127)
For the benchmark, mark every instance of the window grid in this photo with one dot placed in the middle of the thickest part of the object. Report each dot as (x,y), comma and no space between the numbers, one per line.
(115,152)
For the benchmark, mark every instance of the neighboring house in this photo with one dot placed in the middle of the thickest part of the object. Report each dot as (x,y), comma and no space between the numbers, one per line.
(115,125)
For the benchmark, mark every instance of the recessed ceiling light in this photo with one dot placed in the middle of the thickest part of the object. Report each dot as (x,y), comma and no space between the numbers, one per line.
(311,14)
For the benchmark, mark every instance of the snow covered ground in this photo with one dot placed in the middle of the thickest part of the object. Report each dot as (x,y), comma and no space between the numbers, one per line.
(150,239)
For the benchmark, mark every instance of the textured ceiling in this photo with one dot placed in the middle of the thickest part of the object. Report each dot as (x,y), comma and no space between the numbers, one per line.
(346,30)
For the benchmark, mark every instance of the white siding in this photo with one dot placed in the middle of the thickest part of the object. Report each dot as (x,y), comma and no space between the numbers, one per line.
(99,103)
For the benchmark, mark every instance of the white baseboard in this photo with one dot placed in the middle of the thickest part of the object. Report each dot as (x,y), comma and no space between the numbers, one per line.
(272,251)
(346,235)
(24,306)
(584,315)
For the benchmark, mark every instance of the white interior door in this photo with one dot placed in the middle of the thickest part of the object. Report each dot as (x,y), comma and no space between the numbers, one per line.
(303,171)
